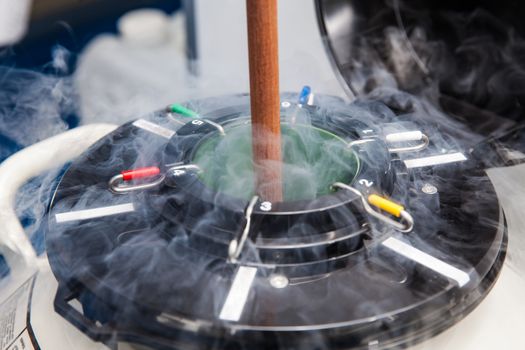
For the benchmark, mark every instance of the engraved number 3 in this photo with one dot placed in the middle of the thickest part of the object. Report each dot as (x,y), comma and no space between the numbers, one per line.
(266,206)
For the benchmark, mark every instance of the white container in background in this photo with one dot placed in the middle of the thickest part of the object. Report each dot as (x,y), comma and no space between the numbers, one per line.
(14,18)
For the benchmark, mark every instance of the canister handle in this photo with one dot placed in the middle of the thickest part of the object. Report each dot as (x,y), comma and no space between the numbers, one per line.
(405,222)
(407,136)
(237,244)
(117,184)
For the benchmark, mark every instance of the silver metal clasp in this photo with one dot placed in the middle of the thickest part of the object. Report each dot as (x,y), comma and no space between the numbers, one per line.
(236,245)
(120,183)
(406,222)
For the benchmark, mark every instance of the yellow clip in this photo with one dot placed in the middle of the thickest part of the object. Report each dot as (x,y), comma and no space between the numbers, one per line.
(386,205)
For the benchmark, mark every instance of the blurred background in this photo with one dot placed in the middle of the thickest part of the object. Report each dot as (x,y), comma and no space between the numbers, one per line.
(113,61)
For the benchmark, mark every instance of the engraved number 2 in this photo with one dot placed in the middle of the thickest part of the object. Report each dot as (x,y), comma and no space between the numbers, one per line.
(366,183)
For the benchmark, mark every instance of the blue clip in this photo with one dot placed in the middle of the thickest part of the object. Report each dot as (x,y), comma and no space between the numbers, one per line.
(305,95)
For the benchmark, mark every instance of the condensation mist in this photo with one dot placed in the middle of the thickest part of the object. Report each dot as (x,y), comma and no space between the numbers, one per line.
(175,255)
(467,83)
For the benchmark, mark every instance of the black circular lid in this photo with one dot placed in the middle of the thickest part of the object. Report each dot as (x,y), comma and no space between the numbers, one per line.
(152,266)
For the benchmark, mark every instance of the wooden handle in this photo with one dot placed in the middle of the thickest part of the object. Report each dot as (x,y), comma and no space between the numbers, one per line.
(264,97)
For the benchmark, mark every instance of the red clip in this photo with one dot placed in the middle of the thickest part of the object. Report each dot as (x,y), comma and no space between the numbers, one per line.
(140,173)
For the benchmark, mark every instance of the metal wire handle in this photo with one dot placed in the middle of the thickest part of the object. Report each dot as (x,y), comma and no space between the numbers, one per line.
(236,245)
(405,225)
(405,137)
(399,137)
(117,181)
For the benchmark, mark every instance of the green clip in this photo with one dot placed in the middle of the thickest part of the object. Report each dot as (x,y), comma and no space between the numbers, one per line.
(179,109)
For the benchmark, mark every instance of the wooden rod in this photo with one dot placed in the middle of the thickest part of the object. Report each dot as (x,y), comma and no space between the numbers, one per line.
(264,97)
